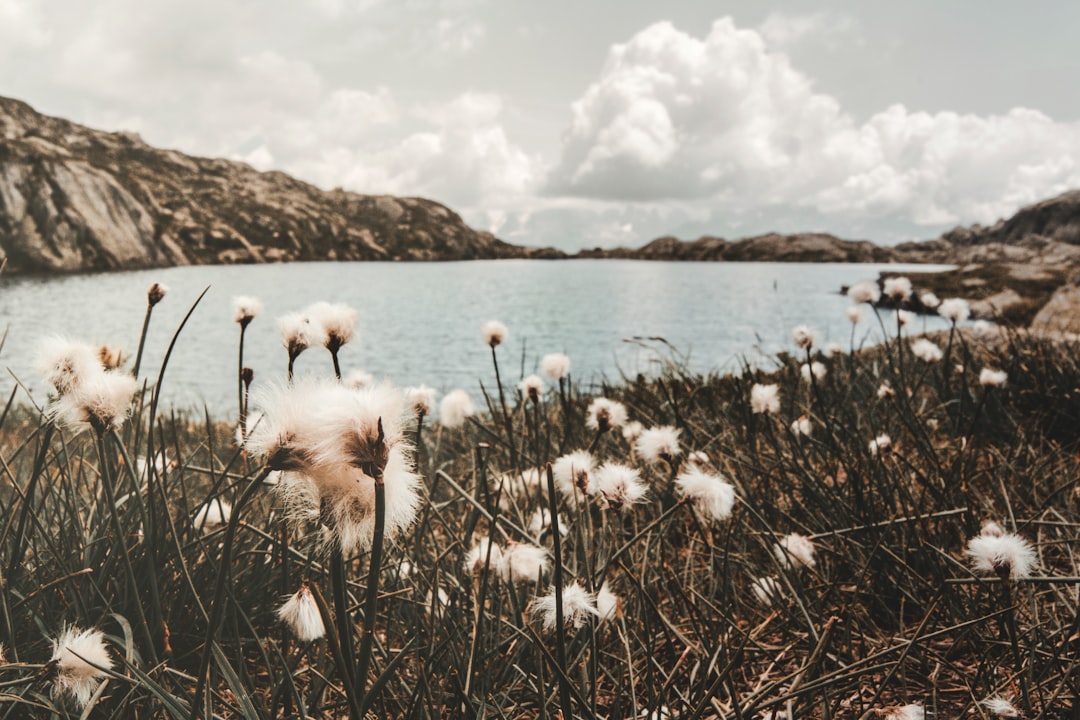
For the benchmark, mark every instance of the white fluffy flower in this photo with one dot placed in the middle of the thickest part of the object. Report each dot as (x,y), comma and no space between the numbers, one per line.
(421,398)
(101,400)
(301,613)
(79,658)
(854,314)
(632,430)
(156,293)
(359,379)
(814,370)
(955,309)
(455,408)
(540,523)
(571,473)
(619,485)
(864,292)
(907,712)
(297,333)
(997,705)
(578,604)
(213,515)
(801,426)
(881,443)
(607,603)
(926,350)
(898,288)
(328,436)
(659,444)
(833,348)
(523,563)
(765,398)
(992,529)
(929,300)
(555,365)
(804,336)
(905,317)
(483,555)
(1006,555)
(531,388)
(604,414)
(245,308)
(333,325)
(767,590)
(494,333)
(988,377)
(884,391)
(712,497)
(795,549)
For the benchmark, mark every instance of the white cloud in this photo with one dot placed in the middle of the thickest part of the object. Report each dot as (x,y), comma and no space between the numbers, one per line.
(785,30)
(723,122)
(22,25)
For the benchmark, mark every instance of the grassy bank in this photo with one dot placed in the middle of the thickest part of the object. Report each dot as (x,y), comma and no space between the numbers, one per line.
(838,584)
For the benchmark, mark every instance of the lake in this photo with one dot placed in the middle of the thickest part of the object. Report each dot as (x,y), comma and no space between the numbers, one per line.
(420,322)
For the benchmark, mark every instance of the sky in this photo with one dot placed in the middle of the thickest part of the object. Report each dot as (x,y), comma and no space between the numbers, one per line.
(592,123)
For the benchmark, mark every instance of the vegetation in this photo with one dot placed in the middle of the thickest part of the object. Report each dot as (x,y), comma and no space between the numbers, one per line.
(841,584)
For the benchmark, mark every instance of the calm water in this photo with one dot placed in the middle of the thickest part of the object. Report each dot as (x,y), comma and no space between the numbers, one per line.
(420,322)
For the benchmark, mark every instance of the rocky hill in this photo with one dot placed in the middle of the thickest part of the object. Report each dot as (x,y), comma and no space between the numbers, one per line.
(773,247)
(77,199)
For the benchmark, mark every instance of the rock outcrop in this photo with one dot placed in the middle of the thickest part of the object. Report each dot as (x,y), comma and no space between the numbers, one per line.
(77,199)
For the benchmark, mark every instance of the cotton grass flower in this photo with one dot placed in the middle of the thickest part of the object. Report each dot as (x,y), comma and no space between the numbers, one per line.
(801,426)
(659,444)
(767,590)
(765,398)
(607,603)
(578,604)
(907,712)
(905,317)
(484,555)
(854,314)
(101,400)
(571,474)
(1007,555)
(794,550)
(555,365)
(884,391)
(110,357)
(494,333)
(421,398)
(455,408)
(79,660)
(864,292)
(301,614)
(813,371)
(64,364)
(619,485)
(338,444)
(333,324)
(804,336)
(213,515)
(604,414)
(955,309)
(540,523)
(882,443)
(523,563)
(898,288)
(297,335)
(632,431)
(997,705)
(988,377)
(156,293)
(711,495)
(929,300)
(359,379)
(531,388)
(926,350)
(245,309)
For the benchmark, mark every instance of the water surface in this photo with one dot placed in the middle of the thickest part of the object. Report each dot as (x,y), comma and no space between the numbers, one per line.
(420,322)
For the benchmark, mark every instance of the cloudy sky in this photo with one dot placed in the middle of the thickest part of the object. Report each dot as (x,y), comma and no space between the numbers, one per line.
(593,122)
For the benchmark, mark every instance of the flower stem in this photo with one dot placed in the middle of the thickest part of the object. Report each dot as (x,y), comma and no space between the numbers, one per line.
(371,601)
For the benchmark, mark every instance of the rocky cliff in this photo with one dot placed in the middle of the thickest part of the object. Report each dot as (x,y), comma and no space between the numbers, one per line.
(74,199)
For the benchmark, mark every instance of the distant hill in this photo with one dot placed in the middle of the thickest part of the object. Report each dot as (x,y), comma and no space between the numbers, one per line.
(1047,233)
(77,199)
